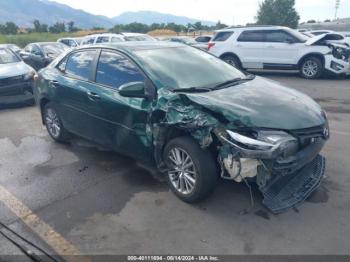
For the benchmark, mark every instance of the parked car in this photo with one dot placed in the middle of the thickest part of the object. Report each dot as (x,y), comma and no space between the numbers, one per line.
(102,38)
(13,47)
(114,38)
(187,41)
(202,42)
(203,39)
(39,55)
(280,48)
(193,118)
(137,37)
(330,36)
(71,42)
(16,80)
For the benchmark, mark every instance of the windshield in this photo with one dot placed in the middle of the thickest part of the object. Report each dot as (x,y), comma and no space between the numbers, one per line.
(53,48)
(7,56)
(185,67)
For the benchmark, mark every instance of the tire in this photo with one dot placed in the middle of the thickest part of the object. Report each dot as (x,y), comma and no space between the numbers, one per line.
(232,60)
(54,124)
(201,177)
(311,68)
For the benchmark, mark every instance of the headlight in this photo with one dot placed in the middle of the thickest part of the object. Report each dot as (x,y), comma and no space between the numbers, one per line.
(263,140)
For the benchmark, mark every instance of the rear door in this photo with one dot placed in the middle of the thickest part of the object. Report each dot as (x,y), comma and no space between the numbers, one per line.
(125,119)
(76,103)
(251,49)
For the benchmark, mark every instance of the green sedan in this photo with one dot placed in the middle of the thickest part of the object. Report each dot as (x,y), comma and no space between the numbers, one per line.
(194,117)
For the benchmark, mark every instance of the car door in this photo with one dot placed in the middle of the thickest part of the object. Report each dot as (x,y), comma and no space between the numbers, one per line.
(250,48)
(125,119)
(281,49)
(72,88)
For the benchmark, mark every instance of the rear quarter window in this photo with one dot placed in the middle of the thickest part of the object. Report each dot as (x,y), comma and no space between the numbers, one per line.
(222,36)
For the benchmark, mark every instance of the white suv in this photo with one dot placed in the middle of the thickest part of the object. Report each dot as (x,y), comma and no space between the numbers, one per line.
(280,48)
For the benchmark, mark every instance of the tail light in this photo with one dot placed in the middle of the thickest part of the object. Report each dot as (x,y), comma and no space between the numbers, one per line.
(210,45)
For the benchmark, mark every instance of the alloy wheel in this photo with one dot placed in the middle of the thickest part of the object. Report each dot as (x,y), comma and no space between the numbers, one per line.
(182,173)
(52,123)
(310,68)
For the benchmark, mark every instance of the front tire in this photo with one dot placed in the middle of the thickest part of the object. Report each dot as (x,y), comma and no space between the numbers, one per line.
(192,173)
(311,68)
(54,124)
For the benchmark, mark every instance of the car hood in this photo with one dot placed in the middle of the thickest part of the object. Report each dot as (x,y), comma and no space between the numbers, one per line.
(13,69)
(318,38)
(262,103)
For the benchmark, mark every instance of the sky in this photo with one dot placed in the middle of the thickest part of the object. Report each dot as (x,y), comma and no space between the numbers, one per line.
(232,12)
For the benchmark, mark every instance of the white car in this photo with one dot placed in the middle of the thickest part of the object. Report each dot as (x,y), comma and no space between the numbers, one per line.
(333,37)
(280,48)
(70,41)
(137,37)
(115,38)
(102,38)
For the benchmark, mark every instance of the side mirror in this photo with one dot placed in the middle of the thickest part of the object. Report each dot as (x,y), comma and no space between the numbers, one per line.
(133,89)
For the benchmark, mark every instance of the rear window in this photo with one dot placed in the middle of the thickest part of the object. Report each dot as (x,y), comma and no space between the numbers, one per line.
(222,36)
(252,36)
(80,64)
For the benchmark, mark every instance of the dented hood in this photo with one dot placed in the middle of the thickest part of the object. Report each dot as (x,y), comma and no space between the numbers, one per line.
(262,103)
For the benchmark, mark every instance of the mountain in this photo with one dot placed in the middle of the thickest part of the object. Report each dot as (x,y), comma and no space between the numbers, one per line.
(150,17)
(24,12)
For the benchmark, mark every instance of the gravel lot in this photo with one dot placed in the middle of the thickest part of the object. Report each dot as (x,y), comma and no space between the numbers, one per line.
(104,203)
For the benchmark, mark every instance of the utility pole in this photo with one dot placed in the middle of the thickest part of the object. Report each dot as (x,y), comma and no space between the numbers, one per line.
(337,4)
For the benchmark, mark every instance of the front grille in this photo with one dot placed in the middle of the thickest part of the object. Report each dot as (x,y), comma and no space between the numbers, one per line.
(308,136)
(11,80)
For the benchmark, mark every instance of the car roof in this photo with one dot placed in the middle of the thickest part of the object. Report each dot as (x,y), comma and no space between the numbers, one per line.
(255,27)
(105,34)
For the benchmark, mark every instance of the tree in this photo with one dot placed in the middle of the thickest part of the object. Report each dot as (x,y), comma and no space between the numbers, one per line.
(327,21)
(278,12)
(219,25)
(71,27)
(311,22)
(57,28)
(40,28)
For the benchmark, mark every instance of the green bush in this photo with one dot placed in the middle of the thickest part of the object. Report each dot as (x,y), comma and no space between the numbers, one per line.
(23,39)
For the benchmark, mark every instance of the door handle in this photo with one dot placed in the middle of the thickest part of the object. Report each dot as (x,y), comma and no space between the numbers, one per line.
(270,46)
(93,96)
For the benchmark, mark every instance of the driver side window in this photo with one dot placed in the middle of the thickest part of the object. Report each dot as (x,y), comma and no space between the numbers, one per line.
(115,70)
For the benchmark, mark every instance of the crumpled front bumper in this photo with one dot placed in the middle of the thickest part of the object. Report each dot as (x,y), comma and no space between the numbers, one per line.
(337,66)
(283,192)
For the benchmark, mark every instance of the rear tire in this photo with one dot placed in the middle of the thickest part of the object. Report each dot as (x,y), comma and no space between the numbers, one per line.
(311,68)
(232,60)
(54,124)
(192,173)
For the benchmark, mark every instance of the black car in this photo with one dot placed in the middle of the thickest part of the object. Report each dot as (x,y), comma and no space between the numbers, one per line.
(16,80)
(39,55)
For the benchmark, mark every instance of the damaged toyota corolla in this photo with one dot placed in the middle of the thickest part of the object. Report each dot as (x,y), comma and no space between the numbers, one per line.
(192,115)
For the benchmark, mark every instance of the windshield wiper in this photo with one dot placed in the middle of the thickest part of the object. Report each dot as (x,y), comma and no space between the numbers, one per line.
(192,90)
(232,82)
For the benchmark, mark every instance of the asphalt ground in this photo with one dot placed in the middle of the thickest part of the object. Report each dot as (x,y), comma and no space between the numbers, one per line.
(81,199)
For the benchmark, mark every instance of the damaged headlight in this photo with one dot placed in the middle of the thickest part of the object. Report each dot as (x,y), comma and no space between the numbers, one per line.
(340,52)
(267,143)
(29,75)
